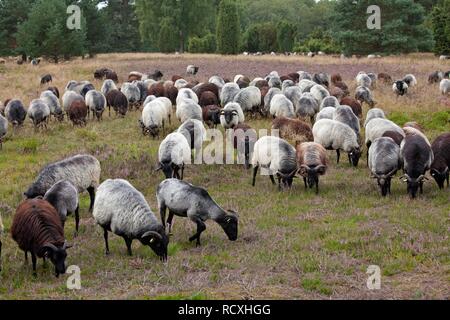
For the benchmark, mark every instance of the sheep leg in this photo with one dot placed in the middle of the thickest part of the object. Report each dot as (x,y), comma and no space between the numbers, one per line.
(255,172)
(77,220)
(33,259)
(421,188)
(338,153)
(279,183)
(169,221)
(105,235)
(182,172)
(162,213)
(26,257)
(349,159)
(306,185)
(317,187)
(91,191)
(128,242)
(200,228)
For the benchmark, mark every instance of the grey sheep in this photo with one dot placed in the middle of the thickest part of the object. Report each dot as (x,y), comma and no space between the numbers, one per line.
(53,103)
(330,101)
(345,115)
(38,112)
(96,103)
(308,106)
(15,112)
(373,114)
(69,97)
(174,153)
(108,86)
(280,106)
(3,129)
(363,94)
(249,99)
(231,115)
(268,98)
(229,91)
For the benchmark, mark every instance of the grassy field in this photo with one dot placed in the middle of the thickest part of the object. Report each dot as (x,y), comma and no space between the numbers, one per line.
(291,245)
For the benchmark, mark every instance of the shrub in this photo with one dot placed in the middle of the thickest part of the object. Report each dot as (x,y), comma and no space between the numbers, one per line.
(206,44)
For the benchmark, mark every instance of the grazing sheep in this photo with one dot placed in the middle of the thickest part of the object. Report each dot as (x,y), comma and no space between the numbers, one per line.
(268,99)
(172,94)
(319,93)
(135,76)
(354,104)
(218,81)
(37,229)
(435,77)
(417,156)
(68,98)
(156,75)
(280,106)
(440,167)
(293,129)
(373,78)
(108,86)
(329,102)
(376,127)
(373,114)
(326,113)
(277,157)
(180,84)
(38,112)
(294,76)
(52,102)
(312,162)
(322,79)
(123,210)
(400,88)
(133,94)
(206,87)
(54,90)
(396,136)
(249,99)
(99,74)
(274,82)
(364,94)
(286,84)
(83,171)
(165,102)
(410,80)
(81,88)
(303,75)
(208,98)
(386,78)
(414,125)
(157,89)
(77,113)
(143,89)
(63,196)
(192,70)
(384,161)
(3,129)
(335,78)
(244,139)
(118,101)
(195,133)
(174,153)
(308,106)
(338,93)
(363,80)
(260,83)
(186,93)
(444,86)
(335,135)
(306,85)
(211,115)
(229,91)
(188,109)
(154,116)
(345,115)
(185,200)
(46,79)
(95,102)
(15,112)
(231,115)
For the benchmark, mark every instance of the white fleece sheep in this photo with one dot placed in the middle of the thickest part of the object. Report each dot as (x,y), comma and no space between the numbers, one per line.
(444,86)
(231,115)
(280,106)
(229,91)
(375,128)
(248,98)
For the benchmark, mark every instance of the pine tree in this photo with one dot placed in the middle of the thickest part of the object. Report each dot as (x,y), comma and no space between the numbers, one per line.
(228,27)
(441,28)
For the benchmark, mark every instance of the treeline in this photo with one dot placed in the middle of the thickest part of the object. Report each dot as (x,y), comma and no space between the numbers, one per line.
(38,27)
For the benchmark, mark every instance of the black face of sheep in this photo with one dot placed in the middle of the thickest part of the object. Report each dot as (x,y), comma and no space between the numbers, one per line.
(170,170)
(285,180)
(32,193)
(414,184)
(441,177)
(311,175)
(157,242)
(354,157)
(229,224)
(385,185)
(57,256)
(229,115)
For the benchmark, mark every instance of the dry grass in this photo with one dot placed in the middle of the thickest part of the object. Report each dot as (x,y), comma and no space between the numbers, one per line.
(292,245)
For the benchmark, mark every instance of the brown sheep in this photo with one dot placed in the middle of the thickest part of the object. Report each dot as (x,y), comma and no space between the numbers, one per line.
(294,76)
(211,115)
(264,90)
(397,137)
(78,112)
(171,94)
(111,75)
(384,77)
(208,98)
(244,139)
(312,163)
(335,78)
(175,78)
(354,104)
(261,84)
(37,229)
(157,90)
(118,101)
(343,86)
(337,93)
(135,76)
(293,129)
(284,78)
(211,87)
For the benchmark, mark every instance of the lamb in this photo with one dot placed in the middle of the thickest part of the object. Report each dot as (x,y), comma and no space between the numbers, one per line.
(354,104)
(123,210)
(376,127)
(118,101)
(188,109)
(3,129)
(69,97)
(229,91)
(15,112)
(186,200)
(211,115)
(417,156)
(195,133)
(82,171)
(268,99)
(312,162)
(308,106)
(400,88)
(319,93)
(329,101)
(249,99)
(154,116)
(364,94)
(52,101)
(444,86)
(38,112)
(280,106)
(174,153)
(345,115)
(96,102)
(440,167)
(108,86)
(192,70)
(231,115)
(133,94)
(276,156)
(410,80)
(435,77)
(326,113)
(63,196)
(363,80)
(78,112)
(373,114)
(46,79)
(37,229)
(384,161)
(335,135)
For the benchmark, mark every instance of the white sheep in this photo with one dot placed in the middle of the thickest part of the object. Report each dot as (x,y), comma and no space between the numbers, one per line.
(308,106)
(174,153)
(280,106)
(229,91)
(249,99)
(186,93)
(363,80)
(108,86)
(319,92)
(326,113)
(305,85)
(444,86)
(195,133)
(375,128)
(154,116)
(231,115)
(180,84)
(166,103)
(188,109)
(373,114)
(96,103)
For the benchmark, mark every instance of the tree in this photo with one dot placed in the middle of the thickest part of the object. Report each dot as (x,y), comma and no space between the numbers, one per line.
(440,18)
(228,27)
(45,33)
(285,35)
(97,37)
(168,40)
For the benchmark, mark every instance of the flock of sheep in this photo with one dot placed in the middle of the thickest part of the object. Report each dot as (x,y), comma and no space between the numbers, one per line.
(315,111)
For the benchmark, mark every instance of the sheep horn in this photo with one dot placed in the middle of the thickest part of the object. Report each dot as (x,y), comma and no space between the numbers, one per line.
(421,178)
(50,246)
(319,167)
(152,234)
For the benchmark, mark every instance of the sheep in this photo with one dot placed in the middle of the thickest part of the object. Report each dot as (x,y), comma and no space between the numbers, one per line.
(376,127)
(394,135)
(417,155)
(180,83)
(276,156)
(319,93)
(322,79)
(303,75)
(96,102)
(175,78)
(286,84)
(83,171)
(308,106)
(78,112)
(229,91)
(335,78)
(15,112)
(294,76)
(249,99)
(46,79)
(306,85)
(63,196)
(123,210)
(294,94)
(293,129)
(218,81)
(268,99)
(444,86)
(280,106)
(211,115)
(81,88)
(174,153)
(38,112)
(143,89)
(338,93)
(364,94)
(52,101)
(335,135)
(440,167)
(135,75)
(68,98)
(2,229)
(156,89)
(244,139)
(260,83)
(400,88)
(167,104)
(206,87)
(386,78)
(188,109)
(373,114)
(195,133)
(231,115)
(156,75)
(312,162)
(410,80)
(37,229)
(329,101)
(326,113)
(192,70)
(171,94)
(3,129)
(154,116)
(354,104)
(345,115)
(133,94)
(435,77)
(118,101)
(274,82)
(186,200)
(54,90)
(186,93)
(105,73)
(208,98)
(414,125)
(108,85)
(363,80)
(343,86)
(384,161)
